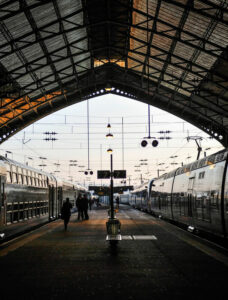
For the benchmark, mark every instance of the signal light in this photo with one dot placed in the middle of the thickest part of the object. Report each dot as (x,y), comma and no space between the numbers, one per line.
(144,143)
(91,172)
(154,143)
(86,173)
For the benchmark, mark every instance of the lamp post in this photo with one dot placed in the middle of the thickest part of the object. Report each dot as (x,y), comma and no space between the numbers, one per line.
(113,224)
(111,188)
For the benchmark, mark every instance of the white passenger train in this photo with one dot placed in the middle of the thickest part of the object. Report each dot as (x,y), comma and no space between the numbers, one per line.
(29,196)
(195,195)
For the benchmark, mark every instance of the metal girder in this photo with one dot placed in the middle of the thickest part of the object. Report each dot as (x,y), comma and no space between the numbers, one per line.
(90,87)
(203,11)
(149,39)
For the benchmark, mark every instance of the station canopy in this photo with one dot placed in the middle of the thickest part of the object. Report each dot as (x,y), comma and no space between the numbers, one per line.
(170,54)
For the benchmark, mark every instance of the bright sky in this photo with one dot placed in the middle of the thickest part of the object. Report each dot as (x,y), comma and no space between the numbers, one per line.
(129,125)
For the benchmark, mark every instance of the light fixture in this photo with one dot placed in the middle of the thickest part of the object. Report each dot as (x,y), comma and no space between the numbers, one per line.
(108,87)
(154,143)
(109,150)
(144,143)
(109,135)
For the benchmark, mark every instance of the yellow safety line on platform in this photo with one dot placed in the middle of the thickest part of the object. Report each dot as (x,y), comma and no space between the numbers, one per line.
(26,238)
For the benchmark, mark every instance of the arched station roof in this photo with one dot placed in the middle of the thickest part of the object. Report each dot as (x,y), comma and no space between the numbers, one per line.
(170,54)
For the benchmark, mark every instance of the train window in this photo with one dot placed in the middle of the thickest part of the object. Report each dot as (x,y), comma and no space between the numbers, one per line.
(24,179)
(9,176)
(202,162)
(14,178)
(14,168)
(20,180)
(214,199)
(201,175)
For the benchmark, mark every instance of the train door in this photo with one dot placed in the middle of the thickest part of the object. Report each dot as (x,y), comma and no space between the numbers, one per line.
(60,199)
(189,202)
(224,202)
(51,201)
(2,201)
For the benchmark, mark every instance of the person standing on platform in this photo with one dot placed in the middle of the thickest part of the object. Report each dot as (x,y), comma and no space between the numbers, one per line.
(90,203)
(66,212)
(79,204)
(85,207)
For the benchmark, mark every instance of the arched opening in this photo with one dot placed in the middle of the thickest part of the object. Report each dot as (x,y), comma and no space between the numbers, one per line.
(58,143)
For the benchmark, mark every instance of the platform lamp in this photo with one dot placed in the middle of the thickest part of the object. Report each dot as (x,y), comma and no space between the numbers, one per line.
(88,173)
(109,135)
(154,142)
(113,224)
(109,150)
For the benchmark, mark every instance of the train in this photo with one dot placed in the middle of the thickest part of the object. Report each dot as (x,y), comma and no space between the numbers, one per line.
(195,196)
(30,197)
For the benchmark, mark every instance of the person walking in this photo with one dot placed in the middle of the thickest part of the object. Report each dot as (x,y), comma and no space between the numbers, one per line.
(66,212)
(79,204)
(85,206)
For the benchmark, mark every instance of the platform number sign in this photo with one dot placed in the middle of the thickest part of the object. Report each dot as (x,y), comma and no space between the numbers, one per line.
(103,174)
(119,174)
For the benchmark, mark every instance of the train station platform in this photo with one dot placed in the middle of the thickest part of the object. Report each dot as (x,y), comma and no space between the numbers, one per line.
(154,260)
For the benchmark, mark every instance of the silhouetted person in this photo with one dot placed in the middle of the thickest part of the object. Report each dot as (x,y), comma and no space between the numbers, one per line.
(79,204)
(66,212)
(90,203)
(117,202)
(85,206)
(97,201)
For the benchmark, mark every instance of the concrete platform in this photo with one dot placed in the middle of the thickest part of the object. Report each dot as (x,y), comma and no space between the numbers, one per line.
(154,261)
